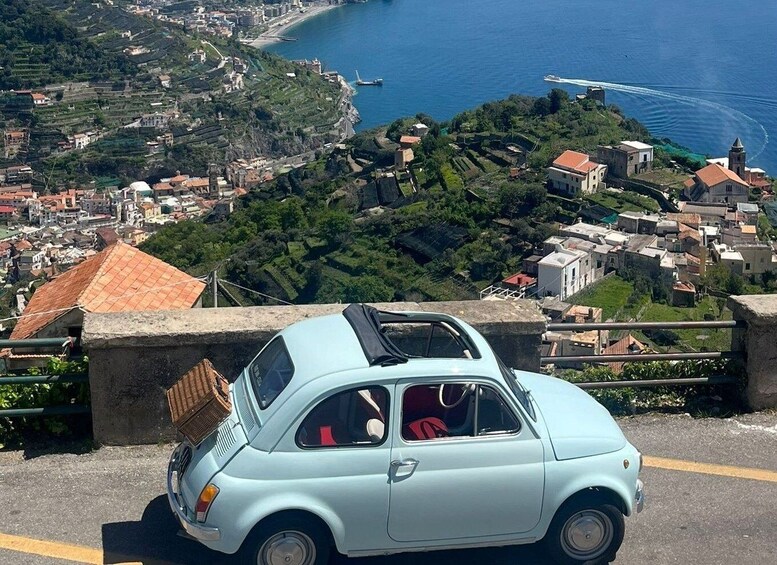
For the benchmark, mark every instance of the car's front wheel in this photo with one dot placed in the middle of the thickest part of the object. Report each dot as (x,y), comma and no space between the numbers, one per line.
(585,531)
(287,541)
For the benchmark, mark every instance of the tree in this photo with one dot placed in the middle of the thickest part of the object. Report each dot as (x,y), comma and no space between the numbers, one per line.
(335,226)
(541,107)
(293,215)
(367,288)
(558,99)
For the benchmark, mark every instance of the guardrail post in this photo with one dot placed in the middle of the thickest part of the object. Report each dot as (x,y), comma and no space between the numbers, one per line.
(759,344)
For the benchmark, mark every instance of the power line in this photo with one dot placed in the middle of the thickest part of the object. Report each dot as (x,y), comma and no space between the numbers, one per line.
(256,292)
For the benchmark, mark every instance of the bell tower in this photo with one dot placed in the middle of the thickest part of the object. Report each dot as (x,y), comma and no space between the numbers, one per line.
(737,158)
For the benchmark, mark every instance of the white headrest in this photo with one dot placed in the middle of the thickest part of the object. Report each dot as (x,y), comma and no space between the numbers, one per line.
(376,429)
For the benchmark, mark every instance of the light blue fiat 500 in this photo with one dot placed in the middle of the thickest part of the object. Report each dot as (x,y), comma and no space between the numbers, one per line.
(373,433)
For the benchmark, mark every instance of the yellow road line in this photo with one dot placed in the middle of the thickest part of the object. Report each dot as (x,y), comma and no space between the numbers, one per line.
(711,469)
(67,551)
(91,556)
(57,550)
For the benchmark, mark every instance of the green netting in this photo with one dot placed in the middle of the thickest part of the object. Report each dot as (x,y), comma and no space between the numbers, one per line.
(611,219)
(680,152)
(770,209)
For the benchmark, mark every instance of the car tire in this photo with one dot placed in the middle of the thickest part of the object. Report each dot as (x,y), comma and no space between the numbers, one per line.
(291,540)
(585,531)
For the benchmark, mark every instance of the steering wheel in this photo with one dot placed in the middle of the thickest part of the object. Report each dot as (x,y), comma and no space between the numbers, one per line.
(466,390)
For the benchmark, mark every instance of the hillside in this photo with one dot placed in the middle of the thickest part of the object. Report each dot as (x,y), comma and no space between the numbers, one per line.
(126,80)
(472,204)
(41,48)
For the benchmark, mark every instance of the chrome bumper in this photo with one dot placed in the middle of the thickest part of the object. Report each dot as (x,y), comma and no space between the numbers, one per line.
(639,497)
(195,530)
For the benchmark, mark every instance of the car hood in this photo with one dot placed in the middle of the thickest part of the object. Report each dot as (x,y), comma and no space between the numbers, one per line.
(577,424)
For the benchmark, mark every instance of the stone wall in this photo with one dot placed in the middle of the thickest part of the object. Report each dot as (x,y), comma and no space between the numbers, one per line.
(135,356)
(758,341)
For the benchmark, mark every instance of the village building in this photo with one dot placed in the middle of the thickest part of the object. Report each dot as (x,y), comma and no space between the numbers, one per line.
(625,346)
(716,184)
(626,159)
(574,174)
(118,279)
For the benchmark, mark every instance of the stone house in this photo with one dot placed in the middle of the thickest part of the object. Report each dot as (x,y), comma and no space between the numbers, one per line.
(118,279)
(716,184)
(574,174)
(626,159)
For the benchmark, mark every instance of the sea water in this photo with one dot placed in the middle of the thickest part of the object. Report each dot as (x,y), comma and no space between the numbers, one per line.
(701,72)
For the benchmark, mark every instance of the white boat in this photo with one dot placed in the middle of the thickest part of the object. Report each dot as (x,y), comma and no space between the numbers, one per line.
(375,82)
(552,78)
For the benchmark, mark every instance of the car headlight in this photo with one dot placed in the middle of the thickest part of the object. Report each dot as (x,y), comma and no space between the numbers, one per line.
(206,498)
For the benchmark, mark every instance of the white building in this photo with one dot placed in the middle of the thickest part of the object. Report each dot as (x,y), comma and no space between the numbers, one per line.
(561,273)
(81,140)
(574,173)
(645,151)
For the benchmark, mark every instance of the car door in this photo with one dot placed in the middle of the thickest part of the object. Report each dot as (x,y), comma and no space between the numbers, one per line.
(338,456)
(448,483)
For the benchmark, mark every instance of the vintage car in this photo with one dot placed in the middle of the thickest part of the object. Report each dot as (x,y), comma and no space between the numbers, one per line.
(374,433)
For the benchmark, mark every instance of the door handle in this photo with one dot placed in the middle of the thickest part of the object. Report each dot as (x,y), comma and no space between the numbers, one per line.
(397,464)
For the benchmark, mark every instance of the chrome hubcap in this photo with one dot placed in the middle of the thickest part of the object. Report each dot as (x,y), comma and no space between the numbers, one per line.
(587,534)
(287,548)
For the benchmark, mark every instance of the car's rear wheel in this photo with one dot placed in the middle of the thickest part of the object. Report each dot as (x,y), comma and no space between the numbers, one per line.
(585,531)
(287,541)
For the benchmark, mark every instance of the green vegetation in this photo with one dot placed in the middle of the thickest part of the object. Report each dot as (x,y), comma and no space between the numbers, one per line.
(308,237)
(13,431)
(622,299)
(82,55)
(698,400)
(610,294)
(624,201)
(41,48)
(709,308)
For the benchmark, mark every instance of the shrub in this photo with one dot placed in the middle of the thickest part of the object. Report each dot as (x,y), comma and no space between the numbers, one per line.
(14,430)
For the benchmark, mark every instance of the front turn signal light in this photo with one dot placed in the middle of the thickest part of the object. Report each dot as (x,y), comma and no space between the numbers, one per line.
(207,496)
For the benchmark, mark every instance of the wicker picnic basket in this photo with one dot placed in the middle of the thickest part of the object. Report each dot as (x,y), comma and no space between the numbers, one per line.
(199,402)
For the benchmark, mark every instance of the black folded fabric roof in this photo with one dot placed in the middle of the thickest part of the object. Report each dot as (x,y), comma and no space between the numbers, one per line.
(378,349)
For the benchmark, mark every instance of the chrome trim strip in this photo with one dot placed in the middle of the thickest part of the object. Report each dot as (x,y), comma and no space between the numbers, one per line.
(639,497)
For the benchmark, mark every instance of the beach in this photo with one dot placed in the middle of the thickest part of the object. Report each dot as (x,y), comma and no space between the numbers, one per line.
(279,27)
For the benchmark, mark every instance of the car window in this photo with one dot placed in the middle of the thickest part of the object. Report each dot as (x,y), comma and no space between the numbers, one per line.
(270,372)
(520,392)
(356,417)
(438,411)
(429,340)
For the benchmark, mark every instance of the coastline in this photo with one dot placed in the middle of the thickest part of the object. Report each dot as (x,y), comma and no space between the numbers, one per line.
(287,22)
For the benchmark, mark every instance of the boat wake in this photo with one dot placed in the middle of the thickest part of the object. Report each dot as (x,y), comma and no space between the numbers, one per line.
(682,99)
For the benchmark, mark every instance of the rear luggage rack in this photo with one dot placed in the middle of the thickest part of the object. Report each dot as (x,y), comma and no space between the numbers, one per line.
(199,402)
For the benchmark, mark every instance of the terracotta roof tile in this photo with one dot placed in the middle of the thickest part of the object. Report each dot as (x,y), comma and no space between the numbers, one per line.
(627,345)
(120,278)
(574,161)
(715,174)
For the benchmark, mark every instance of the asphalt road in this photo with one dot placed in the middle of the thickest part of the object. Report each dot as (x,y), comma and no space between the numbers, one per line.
(112,501)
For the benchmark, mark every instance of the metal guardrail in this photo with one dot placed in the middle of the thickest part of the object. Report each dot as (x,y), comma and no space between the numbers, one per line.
(648,357)
(643,357)
(690,325)
(23,380)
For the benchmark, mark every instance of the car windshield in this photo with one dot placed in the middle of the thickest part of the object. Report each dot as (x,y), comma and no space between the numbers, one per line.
(520,392)
(270,372)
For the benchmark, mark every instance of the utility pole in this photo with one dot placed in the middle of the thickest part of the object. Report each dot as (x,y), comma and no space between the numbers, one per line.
(214,280)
